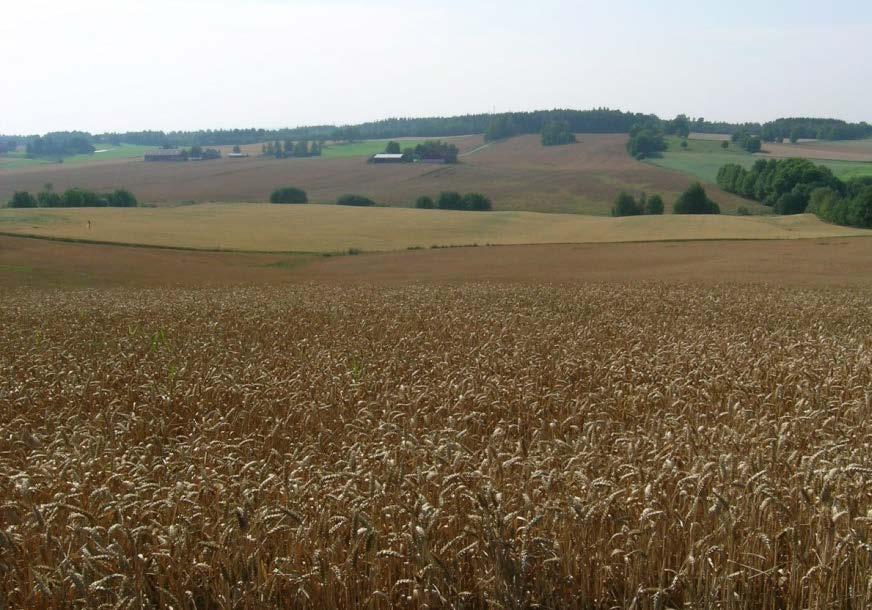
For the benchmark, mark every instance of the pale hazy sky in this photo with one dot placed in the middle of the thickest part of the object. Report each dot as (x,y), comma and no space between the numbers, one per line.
(118,65)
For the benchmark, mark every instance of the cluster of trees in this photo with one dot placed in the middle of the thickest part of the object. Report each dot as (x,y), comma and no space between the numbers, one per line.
(627,205)
(73,198)
(695,201)
(198,152)
(783,184)
(646,139)
(301,148)
(746,140)
(60,144)
(556,133)
(289,194)
(436,149)
(692,201)
(8,145)
(794,186)
(852,207)
(451,200)
(679,126)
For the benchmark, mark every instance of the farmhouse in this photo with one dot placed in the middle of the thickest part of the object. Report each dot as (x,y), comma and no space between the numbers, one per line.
(166,154)
(235,155)
(386,158)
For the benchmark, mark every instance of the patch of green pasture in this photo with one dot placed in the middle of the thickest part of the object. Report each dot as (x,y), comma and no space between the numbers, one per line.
(703,158)
(366,148)
(107,152)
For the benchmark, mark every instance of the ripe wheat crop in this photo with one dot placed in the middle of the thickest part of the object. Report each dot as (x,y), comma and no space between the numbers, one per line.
(472,447)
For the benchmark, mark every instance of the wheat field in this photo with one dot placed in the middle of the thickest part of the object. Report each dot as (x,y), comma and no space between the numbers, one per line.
(599,446)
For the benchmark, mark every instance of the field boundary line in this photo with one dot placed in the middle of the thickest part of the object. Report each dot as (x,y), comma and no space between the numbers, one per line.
(95,242)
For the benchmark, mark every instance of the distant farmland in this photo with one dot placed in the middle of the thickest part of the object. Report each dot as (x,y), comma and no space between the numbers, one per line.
(704,157)
(328,228)
(104,152)
(518,174)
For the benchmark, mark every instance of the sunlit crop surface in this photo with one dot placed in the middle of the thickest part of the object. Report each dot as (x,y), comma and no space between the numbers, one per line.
(471,447)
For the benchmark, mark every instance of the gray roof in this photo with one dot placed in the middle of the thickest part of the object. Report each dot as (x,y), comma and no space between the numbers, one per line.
(387,156)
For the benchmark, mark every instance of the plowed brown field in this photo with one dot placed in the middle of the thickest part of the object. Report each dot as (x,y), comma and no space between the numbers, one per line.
(812,262)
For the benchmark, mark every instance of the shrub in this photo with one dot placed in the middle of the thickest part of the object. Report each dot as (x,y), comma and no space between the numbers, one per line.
(625,205)
(122,198)
(695,201)
(425,203)
(80,198)
(684,144)
(22,199)
(476,202)
(654,205)
(645,141)
(355,200)
(49,199)
(288,194)
(449,200)
(743,211)
(725,144)
(556,133)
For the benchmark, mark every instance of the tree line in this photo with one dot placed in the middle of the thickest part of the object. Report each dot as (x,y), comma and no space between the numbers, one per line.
(72,198)
(301,148)
(794,186)
(452,200)
(494,126)
(447,200)
(60,144)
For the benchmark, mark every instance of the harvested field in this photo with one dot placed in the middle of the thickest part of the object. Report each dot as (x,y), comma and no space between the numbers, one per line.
(330,228)
(812,263)
(849,150)
(646,446)
(518,174)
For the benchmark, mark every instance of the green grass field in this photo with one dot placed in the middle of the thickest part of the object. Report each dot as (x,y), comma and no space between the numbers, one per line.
(366,148)
(703,159)
(106,152)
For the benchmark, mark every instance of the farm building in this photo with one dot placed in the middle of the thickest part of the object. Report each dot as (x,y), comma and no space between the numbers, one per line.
(386,158)
(166,154)
(235,155)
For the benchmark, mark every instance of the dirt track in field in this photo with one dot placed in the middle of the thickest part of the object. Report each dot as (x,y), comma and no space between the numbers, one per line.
(518,174)
(813,262)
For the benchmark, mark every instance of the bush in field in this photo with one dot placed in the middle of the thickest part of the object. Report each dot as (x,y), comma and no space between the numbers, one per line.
(122,198)
(695,201)
(22,199)
(288,194)
(355,201)
(626,205)
(425,203)
(556,133)
(645,142)
(449,200)
(654,205)
(476,202)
